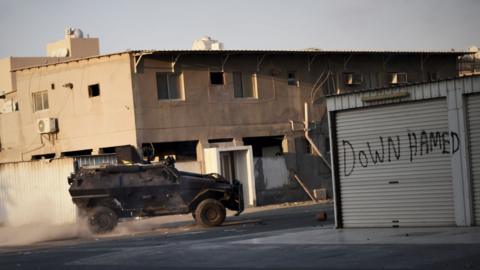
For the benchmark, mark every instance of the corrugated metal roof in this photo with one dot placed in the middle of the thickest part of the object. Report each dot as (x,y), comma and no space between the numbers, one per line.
(226,52)
(399,86)
(414,91)
(299,51)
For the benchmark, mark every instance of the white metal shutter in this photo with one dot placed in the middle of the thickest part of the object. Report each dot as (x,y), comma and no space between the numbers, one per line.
(395,192)
(473,105)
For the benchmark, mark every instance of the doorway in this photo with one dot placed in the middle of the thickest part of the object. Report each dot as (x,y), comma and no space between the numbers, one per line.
(234,163)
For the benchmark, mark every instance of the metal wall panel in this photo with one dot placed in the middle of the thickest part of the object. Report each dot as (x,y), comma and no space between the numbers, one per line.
(473,116)
(394,165)
(421,91)
(36,192)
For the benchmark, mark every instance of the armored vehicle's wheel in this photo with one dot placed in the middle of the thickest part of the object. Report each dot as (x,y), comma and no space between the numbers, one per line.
(101,219)
(210,212)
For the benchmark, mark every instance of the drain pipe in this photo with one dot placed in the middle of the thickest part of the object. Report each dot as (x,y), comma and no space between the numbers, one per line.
(312,144)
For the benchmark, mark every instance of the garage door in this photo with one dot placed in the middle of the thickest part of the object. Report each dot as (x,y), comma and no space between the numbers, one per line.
(394,165)
(473,105)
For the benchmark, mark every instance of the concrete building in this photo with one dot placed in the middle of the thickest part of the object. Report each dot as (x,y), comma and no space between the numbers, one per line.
(237,112)
(407,156)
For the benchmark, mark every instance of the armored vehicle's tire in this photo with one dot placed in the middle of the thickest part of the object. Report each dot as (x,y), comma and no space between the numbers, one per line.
(101,219)
(210,212)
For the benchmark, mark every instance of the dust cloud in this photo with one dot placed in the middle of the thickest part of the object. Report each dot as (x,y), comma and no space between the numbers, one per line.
(38,219)
(44,232)
(35,233)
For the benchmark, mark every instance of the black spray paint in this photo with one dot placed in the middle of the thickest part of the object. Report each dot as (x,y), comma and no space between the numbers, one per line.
(419,144)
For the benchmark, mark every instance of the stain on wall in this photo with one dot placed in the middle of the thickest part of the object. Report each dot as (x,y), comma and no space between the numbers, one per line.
(274,183)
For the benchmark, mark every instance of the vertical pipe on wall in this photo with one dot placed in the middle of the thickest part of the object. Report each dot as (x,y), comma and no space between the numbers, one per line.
(311,142)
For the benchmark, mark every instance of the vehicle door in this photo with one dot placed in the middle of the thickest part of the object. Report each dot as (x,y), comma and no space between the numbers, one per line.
(162,191)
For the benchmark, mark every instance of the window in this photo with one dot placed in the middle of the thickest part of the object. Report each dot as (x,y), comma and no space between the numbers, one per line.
(268,146)
(181,150)
(398,78)
(216,78)
(169,86)
(40,101)
(292,78)
(244,85)
(94,90)
(9,105)
(351,78)
(52,86)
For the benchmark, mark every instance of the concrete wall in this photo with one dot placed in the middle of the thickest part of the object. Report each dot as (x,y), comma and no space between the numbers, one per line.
(83,122)
(5,75)
(129,112)
(75,47)
(211,111)
(274,181)
(36,192)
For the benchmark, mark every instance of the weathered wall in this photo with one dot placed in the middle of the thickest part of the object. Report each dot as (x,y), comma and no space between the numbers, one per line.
(275,184)
(84,122)
(77,47)
(5,75)
(7,78)
(206,112)
(36,192)
(211,111)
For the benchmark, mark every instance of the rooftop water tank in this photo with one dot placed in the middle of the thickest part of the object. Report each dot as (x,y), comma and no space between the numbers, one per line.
(207,43)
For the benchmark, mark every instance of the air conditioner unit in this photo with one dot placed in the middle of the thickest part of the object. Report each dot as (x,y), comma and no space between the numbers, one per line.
(46,125)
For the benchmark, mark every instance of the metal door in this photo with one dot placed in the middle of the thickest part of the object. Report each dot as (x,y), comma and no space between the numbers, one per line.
(394,165)
(473,116)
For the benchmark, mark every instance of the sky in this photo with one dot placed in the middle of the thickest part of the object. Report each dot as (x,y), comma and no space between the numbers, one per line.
(26,26)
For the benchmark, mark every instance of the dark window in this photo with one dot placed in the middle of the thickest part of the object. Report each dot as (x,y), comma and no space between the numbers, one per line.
(107,150)
(85,152)
(52,86)
(269,146)
(221,140)
(181,151)
(216,78)
(398,78)
(44,156)
(350,78)
(94,90)
(243,85)
(169,85)
(292,78)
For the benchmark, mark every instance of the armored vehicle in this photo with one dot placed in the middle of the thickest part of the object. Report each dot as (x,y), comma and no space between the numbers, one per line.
(109,193)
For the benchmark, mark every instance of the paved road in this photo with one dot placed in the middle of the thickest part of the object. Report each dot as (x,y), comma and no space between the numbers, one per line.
(282,238)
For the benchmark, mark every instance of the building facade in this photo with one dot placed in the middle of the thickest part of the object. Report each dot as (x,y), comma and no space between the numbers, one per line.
(184,102)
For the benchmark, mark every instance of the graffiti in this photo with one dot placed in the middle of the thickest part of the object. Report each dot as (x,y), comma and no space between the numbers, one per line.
(419,144)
